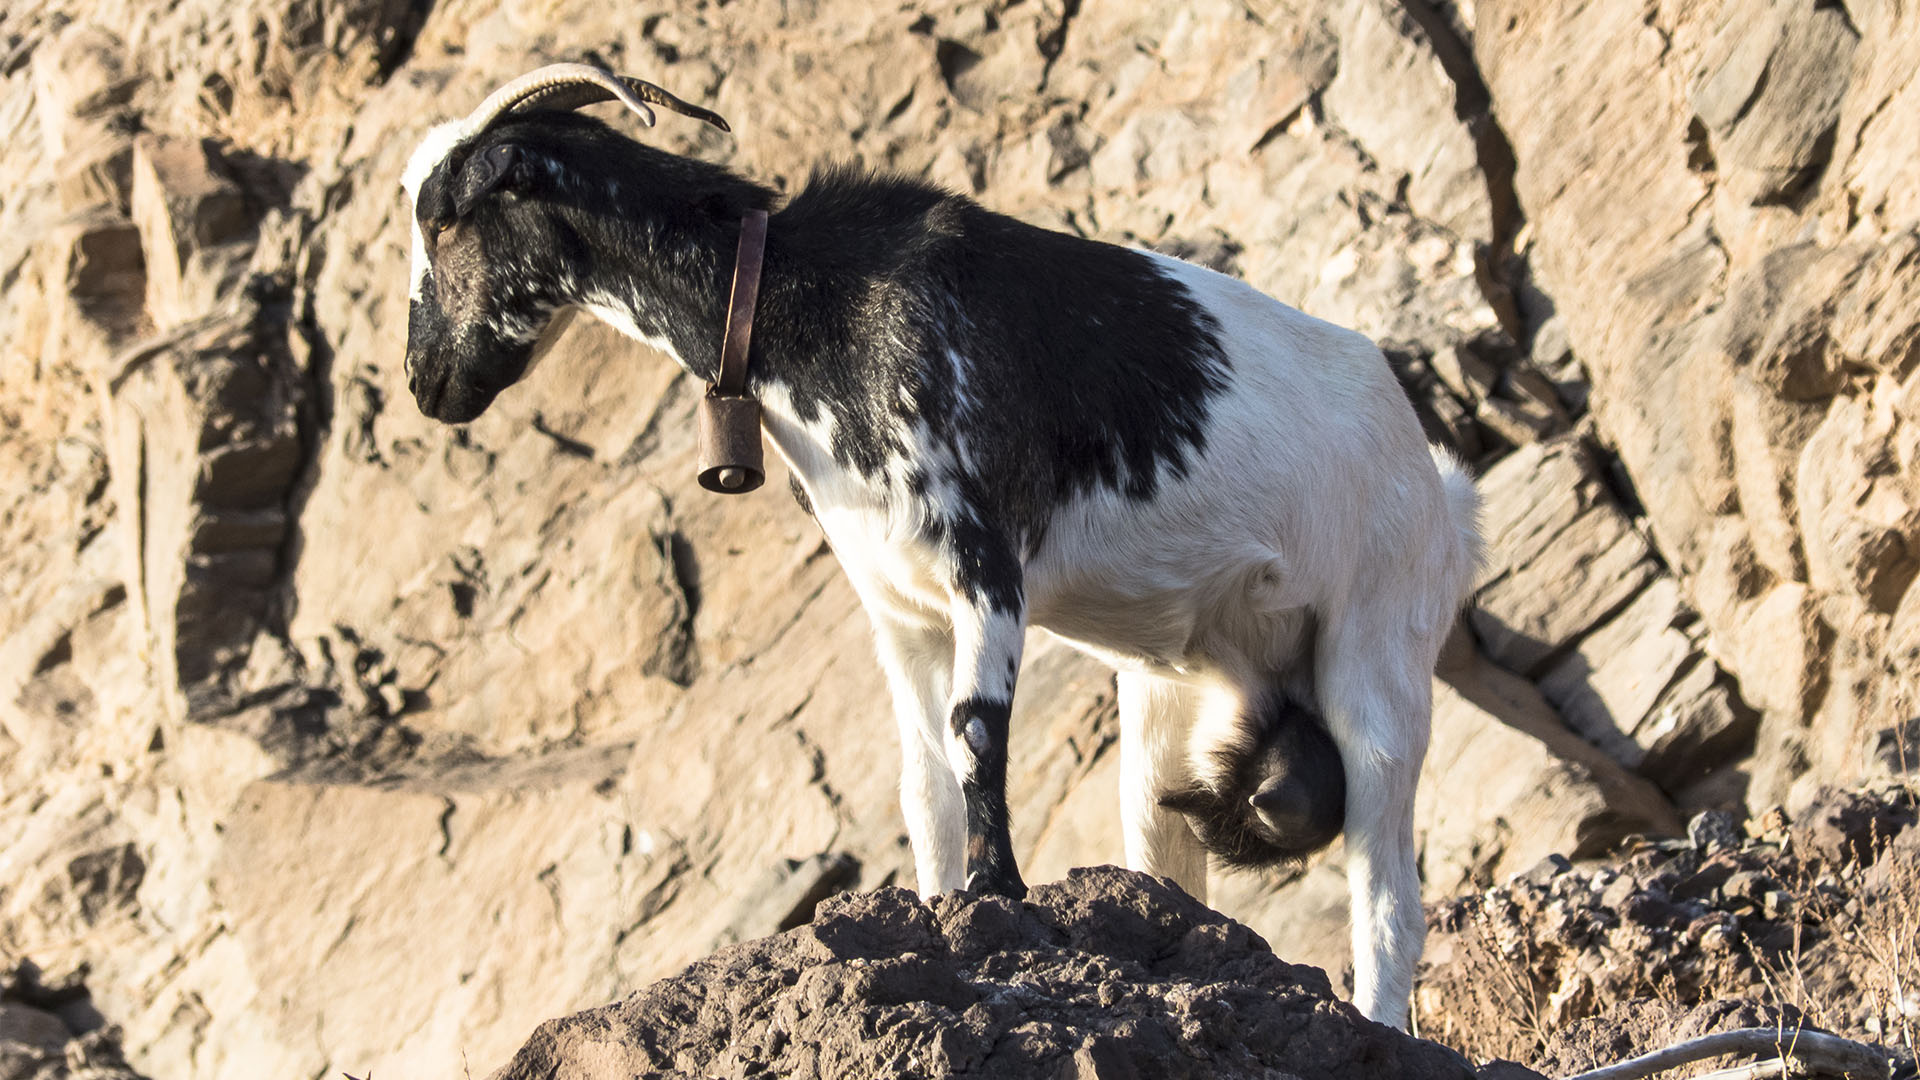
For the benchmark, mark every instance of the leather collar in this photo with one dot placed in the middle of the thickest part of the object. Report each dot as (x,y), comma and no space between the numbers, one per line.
(752,255)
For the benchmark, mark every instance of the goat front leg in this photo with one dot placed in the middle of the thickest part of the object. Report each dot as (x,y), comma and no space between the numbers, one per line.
(918,659)
(989,628)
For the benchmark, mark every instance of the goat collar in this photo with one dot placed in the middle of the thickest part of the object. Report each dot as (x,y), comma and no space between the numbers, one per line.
(730,454)
(746,293)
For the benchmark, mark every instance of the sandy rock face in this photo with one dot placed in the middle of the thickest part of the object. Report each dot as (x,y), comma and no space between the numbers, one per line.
(510,719)
(1722,309)
(1103,974)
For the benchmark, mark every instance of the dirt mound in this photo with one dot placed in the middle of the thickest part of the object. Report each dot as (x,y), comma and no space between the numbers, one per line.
(1105,974)
(1814,921)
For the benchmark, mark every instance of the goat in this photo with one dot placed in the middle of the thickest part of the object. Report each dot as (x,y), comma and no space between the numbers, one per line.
(998,426)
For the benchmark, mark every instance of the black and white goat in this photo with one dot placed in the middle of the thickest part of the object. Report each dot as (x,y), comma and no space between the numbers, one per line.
(999,427)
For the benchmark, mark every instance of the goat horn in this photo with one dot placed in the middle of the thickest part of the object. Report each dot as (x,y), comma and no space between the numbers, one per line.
(571,86)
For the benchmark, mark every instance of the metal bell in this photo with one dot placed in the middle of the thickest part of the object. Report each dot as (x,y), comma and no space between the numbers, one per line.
(730,453)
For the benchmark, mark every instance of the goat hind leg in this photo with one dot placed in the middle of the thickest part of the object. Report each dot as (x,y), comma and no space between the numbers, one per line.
(1379,706)
(1156,716)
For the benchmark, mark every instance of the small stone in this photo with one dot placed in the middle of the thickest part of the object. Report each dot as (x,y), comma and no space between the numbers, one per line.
(1615,897)
(1713,830)
(393,699)
(1466,373)
(1544,871)
(31,1027)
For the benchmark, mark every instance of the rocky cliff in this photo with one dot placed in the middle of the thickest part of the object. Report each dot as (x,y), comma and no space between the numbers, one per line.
(331,737)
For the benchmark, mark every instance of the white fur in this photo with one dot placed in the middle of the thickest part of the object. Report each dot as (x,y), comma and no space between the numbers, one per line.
(433,148)
(609,313)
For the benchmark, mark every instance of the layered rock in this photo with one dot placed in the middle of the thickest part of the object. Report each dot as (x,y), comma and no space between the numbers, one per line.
(1732,265)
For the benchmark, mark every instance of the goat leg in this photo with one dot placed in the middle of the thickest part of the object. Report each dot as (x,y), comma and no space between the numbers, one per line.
(989,625)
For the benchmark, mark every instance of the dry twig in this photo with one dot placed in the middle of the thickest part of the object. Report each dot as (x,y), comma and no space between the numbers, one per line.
(1811,1053)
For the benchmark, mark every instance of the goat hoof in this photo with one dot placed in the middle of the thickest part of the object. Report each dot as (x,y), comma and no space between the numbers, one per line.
(997,883)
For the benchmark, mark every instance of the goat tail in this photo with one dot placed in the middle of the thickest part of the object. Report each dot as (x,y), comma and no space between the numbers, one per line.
(1463,512)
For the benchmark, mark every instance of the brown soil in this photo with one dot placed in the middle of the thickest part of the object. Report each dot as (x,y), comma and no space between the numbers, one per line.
(1106,974)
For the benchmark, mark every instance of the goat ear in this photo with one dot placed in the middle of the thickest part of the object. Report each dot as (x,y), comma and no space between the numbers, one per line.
(485,172)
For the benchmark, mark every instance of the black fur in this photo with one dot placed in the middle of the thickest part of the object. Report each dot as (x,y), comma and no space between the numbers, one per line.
(990,863)
(551,235)
(1293,757)
(1075,351)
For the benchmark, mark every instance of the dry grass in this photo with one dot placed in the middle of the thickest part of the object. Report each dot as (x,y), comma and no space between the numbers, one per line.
(1884,941)
(1783,973)
(1844,956)
(1489,1001)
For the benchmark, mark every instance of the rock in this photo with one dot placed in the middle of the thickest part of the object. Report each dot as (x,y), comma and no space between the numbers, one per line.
(1581,943)
(1105,974)
(184,209)
(1712,830)
(51,1032)
(1730,368)
(1769,89)
(99,881)
(1639,688)
(1547,869)
(34,647)
(1560,556)
(1466,372)
(1394,95)
(1522,422)
(1780,648)
(1697,726)
(1776,329)
(314,917)
(1506,785)
(96,263)
(79,78)
(1896,750)
(1766,436)
(204,441)
(788,895)
(1875,322)
(278,567)
(1857,525)
(1609,683)
(1850,829)
(31,1027)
